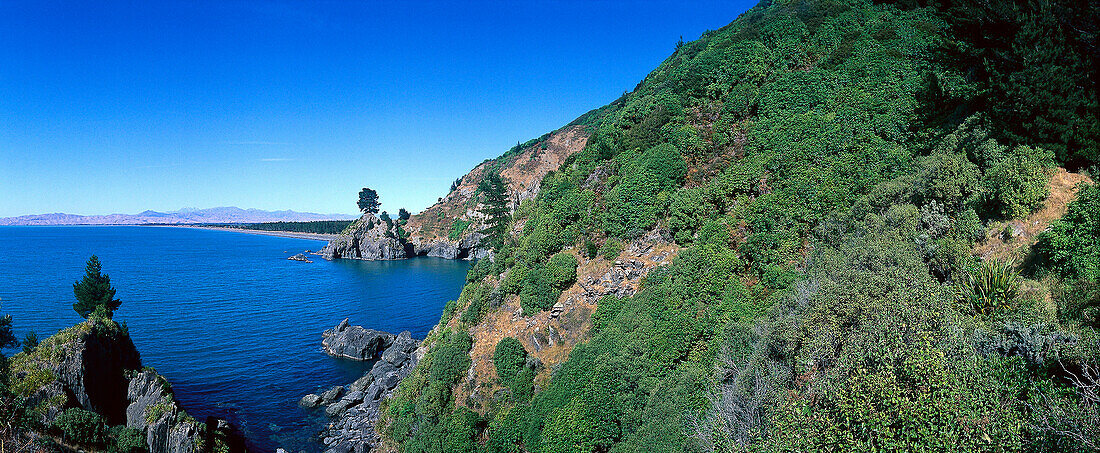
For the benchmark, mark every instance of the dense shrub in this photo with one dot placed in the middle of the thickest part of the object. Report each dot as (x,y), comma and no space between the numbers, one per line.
(1017,183)
(509,358)
(82,427)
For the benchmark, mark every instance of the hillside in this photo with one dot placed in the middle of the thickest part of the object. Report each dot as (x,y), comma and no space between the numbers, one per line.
(827,226)
(451,227)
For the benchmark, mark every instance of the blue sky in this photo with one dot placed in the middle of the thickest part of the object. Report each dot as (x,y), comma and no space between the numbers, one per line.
(117,107)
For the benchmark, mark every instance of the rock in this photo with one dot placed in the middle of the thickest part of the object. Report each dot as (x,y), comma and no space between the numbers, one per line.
(362,382)
(369,238)
(332,395)
(154,411)
(310,401)
(355,342)
(300,257)
(354,415)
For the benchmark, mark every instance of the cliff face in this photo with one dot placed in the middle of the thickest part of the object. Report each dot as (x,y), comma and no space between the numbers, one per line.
(95,366)
(451,227)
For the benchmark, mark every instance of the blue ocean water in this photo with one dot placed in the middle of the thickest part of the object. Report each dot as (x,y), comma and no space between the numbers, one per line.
(232,323)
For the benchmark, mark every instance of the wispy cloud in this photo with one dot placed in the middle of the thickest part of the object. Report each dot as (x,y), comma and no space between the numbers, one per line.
(256,143)
(276,159)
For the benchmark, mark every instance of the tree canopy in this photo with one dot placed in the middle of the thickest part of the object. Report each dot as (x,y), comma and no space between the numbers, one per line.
(368,201)
(94,293)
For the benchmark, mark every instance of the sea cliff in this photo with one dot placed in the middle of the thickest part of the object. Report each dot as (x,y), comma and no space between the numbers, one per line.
(95,366)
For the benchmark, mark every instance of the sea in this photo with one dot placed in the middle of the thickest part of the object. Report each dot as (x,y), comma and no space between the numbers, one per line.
(233,324)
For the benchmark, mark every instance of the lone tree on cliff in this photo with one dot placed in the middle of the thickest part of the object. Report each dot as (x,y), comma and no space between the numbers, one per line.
(368,201)
(494,205)
(94,294)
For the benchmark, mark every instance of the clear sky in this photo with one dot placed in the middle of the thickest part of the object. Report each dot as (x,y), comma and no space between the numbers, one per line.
(122,106)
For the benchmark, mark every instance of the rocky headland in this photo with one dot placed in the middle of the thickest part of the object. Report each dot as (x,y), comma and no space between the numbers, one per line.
(95,366)
(452,227)
(354,408)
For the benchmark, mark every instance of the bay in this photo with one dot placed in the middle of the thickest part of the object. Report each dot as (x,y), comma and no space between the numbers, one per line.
(232,323)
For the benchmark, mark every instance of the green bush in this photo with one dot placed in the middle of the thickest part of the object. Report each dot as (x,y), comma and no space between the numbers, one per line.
(509,358)
(81,427)
(562,270)
(1017,183)
(611,249)
(450,359)
(538,292)
(127,440)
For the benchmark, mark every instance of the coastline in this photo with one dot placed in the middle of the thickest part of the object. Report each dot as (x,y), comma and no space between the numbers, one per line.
(283,234)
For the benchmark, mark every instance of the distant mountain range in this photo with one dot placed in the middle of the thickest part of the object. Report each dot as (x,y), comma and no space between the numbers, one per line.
(183,216)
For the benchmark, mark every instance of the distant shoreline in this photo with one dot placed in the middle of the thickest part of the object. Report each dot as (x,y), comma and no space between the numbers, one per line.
(282,234)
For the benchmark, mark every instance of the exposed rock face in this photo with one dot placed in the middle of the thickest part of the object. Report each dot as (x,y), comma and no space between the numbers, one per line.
(95,366)
(355,342)
(452,227)
(154,412)
(369,238)
(355,408)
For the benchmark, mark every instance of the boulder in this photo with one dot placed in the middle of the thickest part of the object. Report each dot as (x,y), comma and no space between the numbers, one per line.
(310,401)
(355,342)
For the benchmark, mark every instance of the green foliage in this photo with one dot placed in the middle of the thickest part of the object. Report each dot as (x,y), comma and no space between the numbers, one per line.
(494,202)
(1071,247)
(1017,183)
(509,358)
(826,173)
(30,342)
(457,228)
(81,427)
(126,440)
(562,270)
(403,215)
(611,249)
(450,361)
(368,201)
(475,297)
(1031,67)
(94,293)
(992,288)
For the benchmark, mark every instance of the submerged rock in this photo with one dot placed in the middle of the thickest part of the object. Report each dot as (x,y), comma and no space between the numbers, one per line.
(355,342)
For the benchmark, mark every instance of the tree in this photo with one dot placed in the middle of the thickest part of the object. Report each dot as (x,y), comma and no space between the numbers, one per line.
(30,342)
(94,293)
(368,201)
(495,208)
(403,215)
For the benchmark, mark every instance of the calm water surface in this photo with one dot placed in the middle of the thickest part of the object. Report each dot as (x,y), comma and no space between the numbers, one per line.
(225,316)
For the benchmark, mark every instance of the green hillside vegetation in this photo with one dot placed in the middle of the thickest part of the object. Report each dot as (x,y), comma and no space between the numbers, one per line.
(827,168)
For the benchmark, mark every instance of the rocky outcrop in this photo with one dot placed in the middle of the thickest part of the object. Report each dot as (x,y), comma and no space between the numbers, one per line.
(354,408)
(452,227)
(369,238)
(83,366)
(355,342)
(95,366)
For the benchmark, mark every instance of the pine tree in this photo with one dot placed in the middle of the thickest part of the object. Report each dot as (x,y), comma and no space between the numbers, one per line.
(494,205)
(368,201)
(94,292)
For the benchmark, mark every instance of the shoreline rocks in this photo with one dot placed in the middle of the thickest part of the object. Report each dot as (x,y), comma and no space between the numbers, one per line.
(300,257)
(355,342)
(354,408)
